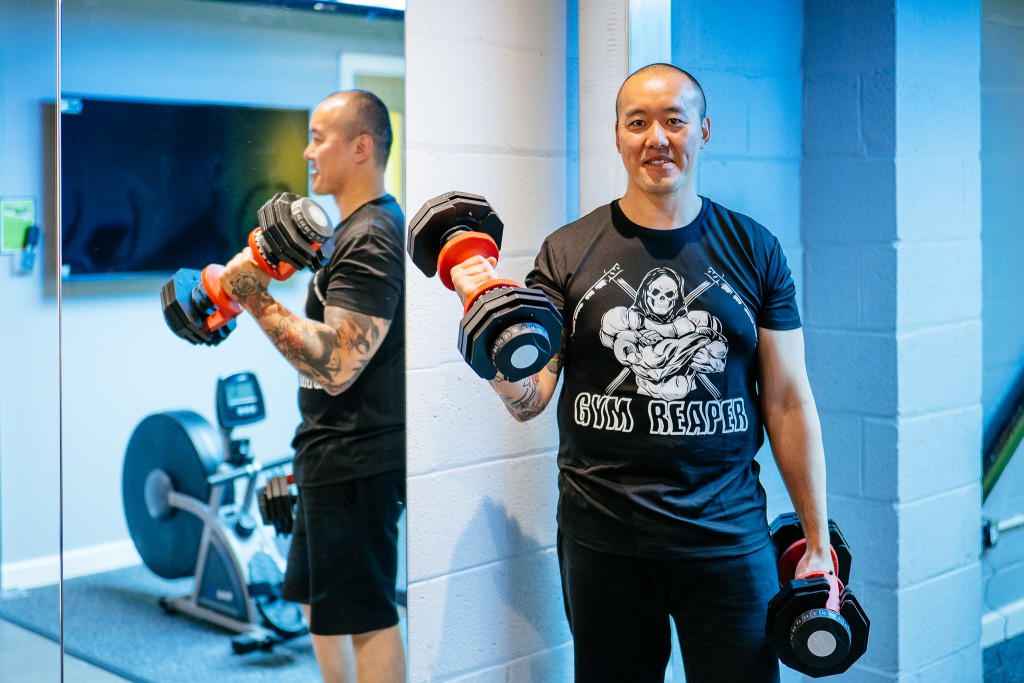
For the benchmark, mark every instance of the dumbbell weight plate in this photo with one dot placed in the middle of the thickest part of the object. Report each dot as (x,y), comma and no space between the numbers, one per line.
(492,314)
(785,531)
(181,314)
(265,579)
(428,228)
(797,598)
(174,451)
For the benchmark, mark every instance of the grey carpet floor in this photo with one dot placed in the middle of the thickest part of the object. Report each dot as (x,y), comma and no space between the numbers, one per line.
(113,620)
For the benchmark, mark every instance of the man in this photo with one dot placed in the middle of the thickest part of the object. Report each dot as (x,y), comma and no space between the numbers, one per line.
(682,339)
(349,350)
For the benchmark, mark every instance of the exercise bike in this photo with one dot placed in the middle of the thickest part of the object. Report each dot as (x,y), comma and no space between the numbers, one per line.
(179,487)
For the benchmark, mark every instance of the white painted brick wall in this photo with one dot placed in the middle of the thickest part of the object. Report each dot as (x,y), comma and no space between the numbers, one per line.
(486,114)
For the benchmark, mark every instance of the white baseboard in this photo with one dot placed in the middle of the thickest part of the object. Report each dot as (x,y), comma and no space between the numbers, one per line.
(1002,624)
(45,571)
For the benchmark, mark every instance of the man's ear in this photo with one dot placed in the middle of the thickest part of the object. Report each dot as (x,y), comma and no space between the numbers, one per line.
(618,147)
(705,132)
(364,147)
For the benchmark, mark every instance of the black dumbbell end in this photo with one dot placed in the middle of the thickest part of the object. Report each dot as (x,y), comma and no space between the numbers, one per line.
(521,350)
(820,639)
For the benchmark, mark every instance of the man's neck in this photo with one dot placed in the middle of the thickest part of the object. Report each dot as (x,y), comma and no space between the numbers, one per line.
(357,193)
(660,212)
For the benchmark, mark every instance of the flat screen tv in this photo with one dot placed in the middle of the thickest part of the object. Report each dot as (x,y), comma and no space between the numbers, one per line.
(149,187)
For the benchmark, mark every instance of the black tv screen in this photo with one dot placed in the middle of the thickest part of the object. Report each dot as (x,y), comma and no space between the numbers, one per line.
(150,187)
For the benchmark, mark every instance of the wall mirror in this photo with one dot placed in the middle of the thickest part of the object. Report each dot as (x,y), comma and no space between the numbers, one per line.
(29,380)
(216,93)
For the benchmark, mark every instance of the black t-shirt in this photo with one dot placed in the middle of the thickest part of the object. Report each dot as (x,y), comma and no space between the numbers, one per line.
(360,432)
(659,420)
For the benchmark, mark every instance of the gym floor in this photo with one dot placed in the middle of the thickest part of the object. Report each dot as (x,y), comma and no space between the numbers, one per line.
(30,658)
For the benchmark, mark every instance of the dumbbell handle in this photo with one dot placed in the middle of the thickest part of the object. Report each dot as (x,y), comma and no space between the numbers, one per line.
(281,271)
(459,249)
(227,307)
(787,570)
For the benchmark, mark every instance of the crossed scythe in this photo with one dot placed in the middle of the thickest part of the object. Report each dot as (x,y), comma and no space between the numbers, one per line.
(613,274)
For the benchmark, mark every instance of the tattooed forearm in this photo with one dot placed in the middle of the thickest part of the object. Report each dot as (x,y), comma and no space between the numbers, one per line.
(527,398)
(332,353)
(521,398)
(359,333)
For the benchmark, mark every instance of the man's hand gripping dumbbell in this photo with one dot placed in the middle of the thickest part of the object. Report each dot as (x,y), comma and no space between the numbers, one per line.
(199,308)
(507,328)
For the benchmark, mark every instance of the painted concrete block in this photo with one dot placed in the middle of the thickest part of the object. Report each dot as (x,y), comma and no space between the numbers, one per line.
(878,112)
(1003,44)
(534,25)
(753,187)
(1000,140)
(924,98)
(937,201)
(728,95)
(526,191)
(849,37)
(882,607)
(954,620)
(878,287)
(849,201)
(939,534)
(960,666)
(938,452)
(844,446)
(483,513)
(525,94)
(465,422)
(939,283)
(852,370)
(554,664)
(945,39)
(871,528)
(881,458)
(928,381)
(775,115)
(479,618)
(831,115)
(749,35)
(834,285)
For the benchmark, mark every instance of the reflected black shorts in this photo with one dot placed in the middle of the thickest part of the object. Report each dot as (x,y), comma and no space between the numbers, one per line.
(343,560)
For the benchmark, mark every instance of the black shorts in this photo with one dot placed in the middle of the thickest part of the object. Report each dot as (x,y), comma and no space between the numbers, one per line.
(343,560)
(619,610)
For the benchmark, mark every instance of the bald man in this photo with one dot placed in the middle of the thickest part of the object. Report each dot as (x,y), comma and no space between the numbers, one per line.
(349,352)
(682,344)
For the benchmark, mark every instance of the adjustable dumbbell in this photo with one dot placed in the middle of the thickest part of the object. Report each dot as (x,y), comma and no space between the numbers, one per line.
(815,623)
(276,503)
(290,232)
(506,327)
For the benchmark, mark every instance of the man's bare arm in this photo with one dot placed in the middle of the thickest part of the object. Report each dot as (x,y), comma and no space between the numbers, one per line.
(332,353)
(527,398)
(791,419)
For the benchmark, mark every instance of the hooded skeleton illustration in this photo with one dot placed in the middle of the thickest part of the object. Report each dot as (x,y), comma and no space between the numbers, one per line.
(663,343)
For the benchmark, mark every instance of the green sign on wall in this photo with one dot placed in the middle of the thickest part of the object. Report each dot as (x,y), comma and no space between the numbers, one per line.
(17,215)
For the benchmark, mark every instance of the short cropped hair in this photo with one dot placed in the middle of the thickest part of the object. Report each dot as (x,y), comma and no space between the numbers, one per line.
(702,105)
(370,117)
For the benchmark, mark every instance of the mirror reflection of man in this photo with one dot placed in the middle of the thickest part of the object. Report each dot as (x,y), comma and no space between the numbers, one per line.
(350,446)
(682,340)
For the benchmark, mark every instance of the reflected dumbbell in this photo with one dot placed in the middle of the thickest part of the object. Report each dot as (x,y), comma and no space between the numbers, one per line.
(506,327)
(815,623)
(291,229)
